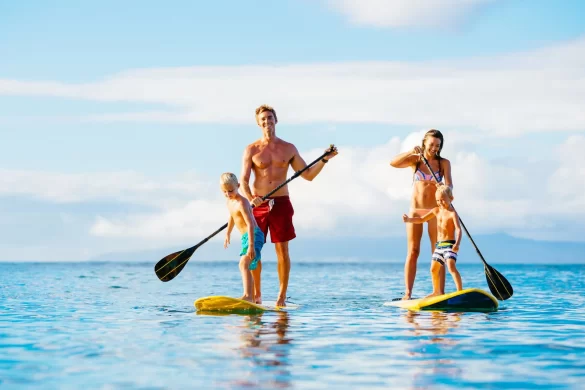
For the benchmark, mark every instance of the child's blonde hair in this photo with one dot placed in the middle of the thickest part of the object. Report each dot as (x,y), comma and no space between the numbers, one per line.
(266,107)
(228,178)
(445,189)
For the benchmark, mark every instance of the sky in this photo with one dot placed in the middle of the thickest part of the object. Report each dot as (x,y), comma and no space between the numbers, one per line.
(117,118)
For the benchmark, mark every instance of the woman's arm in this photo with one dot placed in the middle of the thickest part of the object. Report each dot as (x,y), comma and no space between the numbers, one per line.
(406,159)
(447,173)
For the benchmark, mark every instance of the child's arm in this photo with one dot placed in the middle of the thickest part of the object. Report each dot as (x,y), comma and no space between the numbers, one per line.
(428,216)
(457,232)
(230,227)
(250,223)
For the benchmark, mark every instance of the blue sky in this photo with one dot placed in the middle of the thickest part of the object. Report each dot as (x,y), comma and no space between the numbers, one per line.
(117,117)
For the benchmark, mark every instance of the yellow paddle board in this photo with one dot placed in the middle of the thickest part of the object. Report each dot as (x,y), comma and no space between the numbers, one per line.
(224,304)
(471,299)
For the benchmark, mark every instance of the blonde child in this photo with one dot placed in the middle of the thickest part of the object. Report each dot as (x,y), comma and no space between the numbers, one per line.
(252,237)
(448,237)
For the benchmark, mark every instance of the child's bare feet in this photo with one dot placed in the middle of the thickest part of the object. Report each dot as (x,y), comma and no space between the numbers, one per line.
(247,298)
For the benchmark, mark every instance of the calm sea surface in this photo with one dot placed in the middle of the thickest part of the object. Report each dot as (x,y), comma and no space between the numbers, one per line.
(115,325)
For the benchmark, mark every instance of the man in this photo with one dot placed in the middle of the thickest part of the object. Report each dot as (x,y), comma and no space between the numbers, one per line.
(269,158)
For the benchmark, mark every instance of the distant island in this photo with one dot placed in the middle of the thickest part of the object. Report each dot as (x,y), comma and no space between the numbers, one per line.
(496,249)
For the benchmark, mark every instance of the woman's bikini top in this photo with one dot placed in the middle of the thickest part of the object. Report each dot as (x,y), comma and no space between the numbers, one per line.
(421,176)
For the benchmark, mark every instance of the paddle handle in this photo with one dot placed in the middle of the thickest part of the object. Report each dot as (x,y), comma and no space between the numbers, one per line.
(460,220)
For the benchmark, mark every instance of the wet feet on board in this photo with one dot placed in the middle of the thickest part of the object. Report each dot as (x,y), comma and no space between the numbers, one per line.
(281,303)
(403,298)
(247,299)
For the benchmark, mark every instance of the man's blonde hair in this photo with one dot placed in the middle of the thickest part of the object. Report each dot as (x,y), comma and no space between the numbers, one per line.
(228,178)
(445,189)
(263,108)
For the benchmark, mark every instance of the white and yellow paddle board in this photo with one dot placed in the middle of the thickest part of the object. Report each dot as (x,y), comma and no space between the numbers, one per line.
(471,299)
(224,304)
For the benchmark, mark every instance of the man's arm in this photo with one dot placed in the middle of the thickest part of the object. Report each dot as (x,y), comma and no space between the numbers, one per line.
(245,174)
(428,216)
(298,163)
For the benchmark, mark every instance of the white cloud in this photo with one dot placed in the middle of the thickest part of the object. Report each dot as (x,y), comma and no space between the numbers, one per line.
(567,184)
(358,193)
(541,90)
(406,13)
(126,186)
(193,219)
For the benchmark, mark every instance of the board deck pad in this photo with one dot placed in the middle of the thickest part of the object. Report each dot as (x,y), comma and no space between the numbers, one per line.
(471,299)
(225,304)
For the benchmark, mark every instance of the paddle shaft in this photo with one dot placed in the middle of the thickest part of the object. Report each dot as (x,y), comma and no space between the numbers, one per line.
(460,220)
(296,174)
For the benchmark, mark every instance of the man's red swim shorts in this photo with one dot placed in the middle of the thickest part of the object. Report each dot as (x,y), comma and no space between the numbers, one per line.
(276,215)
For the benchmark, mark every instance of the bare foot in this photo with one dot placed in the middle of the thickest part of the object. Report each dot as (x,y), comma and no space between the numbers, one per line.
(247,298)
(280,302)
(406,296)
(258,299)
(434,294)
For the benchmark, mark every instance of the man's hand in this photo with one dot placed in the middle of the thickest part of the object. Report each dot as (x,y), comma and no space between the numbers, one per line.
(333,153)
(257,201)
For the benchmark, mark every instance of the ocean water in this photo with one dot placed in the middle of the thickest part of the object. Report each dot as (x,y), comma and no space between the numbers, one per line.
(116,326)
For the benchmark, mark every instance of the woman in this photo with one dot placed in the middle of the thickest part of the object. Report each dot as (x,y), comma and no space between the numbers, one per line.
(423,198)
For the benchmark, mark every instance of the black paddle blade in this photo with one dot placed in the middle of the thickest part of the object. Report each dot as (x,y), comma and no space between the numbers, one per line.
(171,265)
(498,284)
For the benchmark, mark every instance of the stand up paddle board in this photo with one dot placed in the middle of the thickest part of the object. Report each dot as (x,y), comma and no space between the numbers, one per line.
(223,304)
(471,299)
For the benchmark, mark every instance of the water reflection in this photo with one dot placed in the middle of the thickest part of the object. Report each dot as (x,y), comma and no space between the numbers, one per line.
(266,346)
(433,323)
(431,345)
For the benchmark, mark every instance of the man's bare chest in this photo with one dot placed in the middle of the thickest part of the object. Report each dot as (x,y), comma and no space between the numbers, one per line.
(265,158)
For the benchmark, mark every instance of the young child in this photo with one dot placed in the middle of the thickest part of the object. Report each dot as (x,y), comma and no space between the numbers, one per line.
(448,237)
(252,237)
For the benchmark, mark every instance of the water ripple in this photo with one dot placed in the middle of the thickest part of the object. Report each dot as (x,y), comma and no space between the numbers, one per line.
(67,326)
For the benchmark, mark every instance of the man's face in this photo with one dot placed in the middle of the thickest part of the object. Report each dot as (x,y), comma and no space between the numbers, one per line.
(266,121)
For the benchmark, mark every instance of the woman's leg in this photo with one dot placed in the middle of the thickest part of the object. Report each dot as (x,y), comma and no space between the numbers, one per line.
(413,236)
